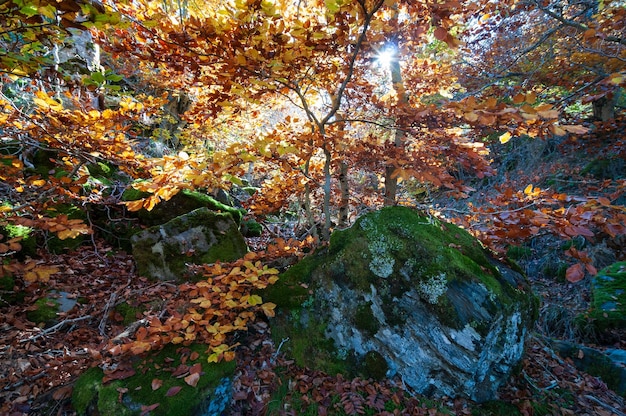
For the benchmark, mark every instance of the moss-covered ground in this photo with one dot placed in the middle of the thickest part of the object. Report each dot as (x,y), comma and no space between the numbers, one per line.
(91,396)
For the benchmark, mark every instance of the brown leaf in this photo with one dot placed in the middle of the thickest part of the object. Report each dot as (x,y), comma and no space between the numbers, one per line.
(575,273)
(156,384)
(173,391)
(147,409)
(62,393)
(180,371)
(441,34)
(196,368)
(192,379)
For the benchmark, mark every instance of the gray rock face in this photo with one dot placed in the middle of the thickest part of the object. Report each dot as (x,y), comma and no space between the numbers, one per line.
(162,252)
(446,318)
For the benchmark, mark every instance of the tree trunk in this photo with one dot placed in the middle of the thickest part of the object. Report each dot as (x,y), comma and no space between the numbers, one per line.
(391,183)
(327,191)
(344,207)
(604,107)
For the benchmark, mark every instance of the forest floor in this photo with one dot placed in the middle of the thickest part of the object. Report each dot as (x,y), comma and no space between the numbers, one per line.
(38,366)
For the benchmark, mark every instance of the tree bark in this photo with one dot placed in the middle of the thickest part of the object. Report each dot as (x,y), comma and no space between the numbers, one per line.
(391,182)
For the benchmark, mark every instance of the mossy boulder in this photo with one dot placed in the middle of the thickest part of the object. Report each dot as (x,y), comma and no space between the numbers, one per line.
(183,202)
(200,237)
(153,376)
(421,293)
(608,291)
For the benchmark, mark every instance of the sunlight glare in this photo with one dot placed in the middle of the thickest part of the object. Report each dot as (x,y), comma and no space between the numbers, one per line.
(386,56)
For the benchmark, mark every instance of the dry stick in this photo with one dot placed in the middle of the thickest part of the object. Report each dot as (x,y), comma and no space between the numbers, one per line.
(56,328)
(606,406)
(105,314)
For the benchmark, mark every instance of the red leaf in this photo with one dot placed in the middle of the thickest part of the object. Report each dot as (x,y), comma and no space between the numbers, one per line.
(575,273)
(173,391)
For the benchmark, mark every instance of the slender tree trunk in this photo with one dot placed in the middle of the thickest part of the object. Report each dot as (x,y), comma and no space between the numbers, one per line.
(344,207)
(327,192)
(307,202)
(391,183)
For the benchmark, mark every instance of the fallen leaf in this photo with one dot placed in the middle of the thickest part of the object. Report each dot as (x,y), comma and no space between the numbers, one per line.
(575,273)
(147,409)
(156,384)
(173,391)
(192,379)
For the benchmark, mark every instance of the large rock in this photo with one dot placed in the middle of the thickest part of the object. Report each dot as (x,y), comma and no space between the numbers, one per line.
(404,294)
(183,202)
(200,237)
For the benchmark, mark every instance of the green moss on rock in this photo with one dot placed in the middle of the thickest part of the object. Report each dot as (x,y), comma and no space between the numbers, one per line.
(45,312)
(608,290)
(183,202)
(375,365)
(365,320)
(91,396)
(372,275)
(199,237)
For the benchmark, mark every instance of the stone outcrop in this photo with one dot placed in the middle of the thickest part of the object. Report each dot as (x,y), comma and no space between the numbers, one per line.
(202,236)
(404,294)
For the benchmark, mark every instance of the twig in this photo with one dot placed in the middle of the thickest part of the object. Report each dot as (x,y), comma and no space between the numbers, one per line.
(278,349)
(606,406)
(105,314)
(56,328)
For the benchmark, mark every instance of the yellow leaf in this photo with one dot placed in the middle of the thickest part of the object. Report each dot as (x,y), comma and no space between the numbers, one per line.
(254,300)
(150,202)
(31,277)
(528,190)
(505,137)
(616,78)
(134,205)
(268,309)
(65,234)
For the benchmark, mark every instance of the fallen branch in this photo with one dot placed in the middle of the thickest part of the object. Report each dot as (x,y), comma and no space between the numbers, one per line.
(606,406)
(56,328)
